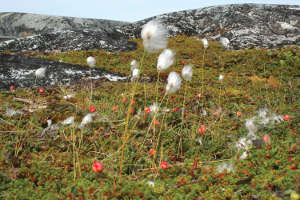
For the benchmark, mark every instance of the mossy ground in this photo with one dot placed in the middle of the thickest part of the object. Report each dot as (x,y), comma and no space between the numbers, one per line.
(58,166)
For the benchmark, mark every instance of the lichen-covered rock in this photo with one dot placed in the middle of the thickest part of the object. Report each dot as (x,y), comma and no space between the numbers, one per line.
(19,71)
(245,25)
(14,24)
(71,40)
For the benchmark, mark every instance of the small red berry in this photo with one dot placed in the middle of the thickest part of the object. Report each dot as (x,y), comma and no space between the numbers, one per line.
(132,102)
(12,88)
(104,106)
(92,109)
(202,129)
(293,166)
(123,57)
(124,100)
(131,111)
(114,108)
(175,109)
(239,113)
(182,62)
(286,117)
(97,167)
(156,122)
(152,152)
(198,96)
(42,90)
(147,110)
(247,96)
(266,138)
(164,165)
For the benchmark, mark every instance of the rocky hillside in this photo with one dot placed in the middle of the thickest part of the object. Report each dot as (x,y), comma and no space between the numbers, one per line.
(245,25)
(25,24)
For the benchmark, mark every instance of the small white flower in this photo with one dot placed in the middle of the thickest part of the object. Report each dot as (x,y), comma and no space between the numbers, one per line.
(91,61)
(221,77)
(68,121)
(87,119)
(187,72)
(151,183)
(135,74)
(205,43)
(174,83)
(165,60)
(154,36)
(134,65)
(199,141)
(49,122)
(40,72)
(225,42)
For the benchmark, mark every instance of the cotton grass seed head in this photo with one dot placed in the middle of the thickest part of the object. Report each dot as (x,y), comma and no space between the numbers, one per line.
(135,74)
(205,43)
(40,72)
(165,60)
(174,83)
(91,61)
(154,36)
(225,42)
(187,72)
(134,65)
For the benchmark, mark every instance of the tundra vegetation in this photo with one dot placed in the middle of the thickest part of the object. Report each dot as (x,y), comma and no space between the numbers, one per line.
(230,131)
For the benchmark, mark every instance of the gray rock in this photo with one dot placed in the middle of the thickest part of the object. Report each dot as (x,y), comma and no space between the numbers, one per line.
(70,41)
(245,25)
(20,24)
(19,71)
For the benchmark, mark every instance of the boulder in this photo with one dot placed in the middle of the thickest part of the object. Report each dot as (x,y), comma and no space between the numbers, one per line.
(19,71)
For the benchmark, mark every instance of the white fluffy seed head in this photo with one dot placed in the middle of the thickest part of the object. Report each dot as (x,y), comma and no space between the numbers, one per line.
(134,65)
(165,60)
(135,74)
(154,36)
(221,77)
(87,119)
(154,108)
(205,43)
(187,72)
(68,121)
(225,42)
(40,72)
(91,61)
(174,83)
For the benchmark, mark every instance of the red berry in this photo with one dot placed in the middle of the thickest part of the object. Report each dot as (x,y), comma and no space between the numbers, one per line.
(132,102)
(12,88)
(156,122)
(92,109)
(131,111)
(286,117)
(198,96)
(104,106)
(175,109)
(202,129)
(152,152)
(147,110)
(182,62)
(42,90)
(114,108)
(97,167)
(124,99)
(293,166)
(239,113)
(247,96)
(266,138)
(164,165)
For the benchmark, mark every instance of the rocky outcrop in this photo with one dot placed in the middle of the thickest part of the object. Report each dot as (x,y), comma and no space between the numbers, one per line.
(24,24)
(70,40)
(19,71)
(245,25)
